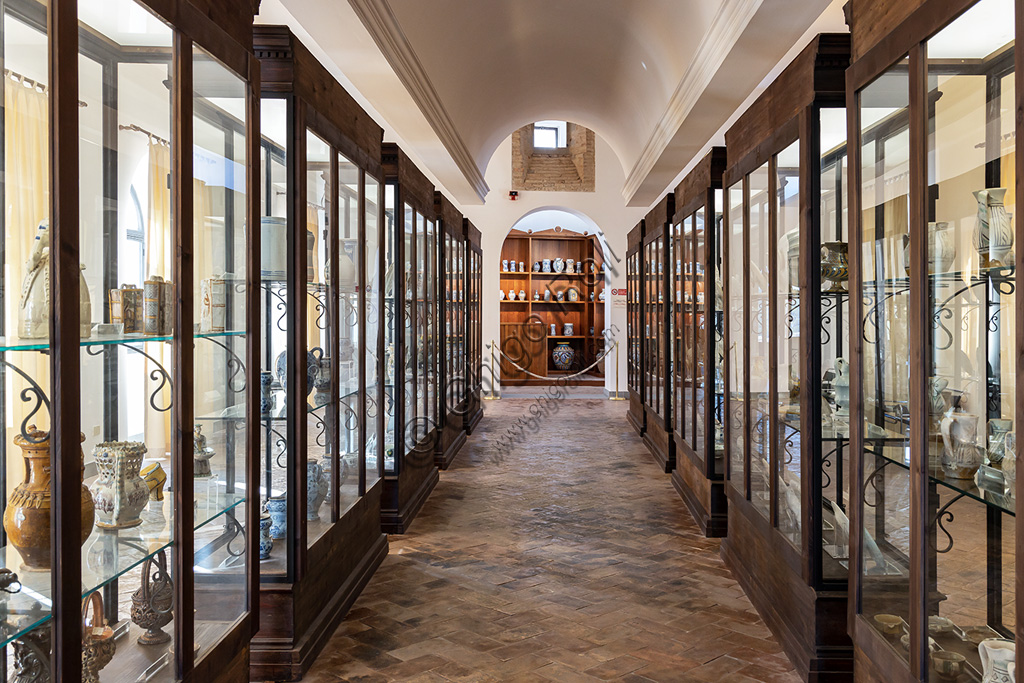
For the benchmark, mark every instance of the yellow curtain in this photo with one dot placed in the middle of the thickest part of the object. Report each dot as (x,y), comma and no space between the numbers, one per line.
(159,261)
(27,201)
(313,224)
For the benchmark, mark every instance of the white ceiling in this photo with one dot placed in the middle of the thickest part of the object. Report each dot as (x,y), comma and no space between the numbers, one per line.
(451,79)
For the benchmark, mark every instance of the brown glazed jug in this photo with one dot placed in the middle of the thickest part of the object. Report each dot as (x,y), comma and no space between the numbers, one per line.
(27,517)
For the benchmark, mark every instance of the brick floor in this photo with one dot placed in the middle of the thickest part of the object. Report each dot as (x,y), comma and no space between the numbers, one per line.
(570,558)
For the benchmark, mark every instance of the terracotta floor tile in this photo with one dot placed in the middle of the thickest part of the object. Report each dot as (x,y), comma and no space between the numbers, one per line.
(570,559)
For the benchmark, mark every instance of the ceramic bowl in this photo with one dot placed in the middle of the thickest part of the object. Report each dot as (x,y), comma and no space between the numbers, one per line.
(939,625)
(889,623)
(948,665)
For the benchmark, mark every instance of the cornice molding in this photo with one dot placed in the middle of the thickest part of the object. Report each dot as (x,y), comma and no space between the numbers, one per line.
(716,44)
(380,20)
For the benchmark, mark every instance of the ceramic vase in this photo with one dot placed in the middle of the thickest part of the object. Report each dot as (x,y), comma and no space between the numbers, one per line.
(522,295)
(98,645)
(317,485)
(313,358)
(961,456)
(501,294)
(568,330)
(998,659)
(552,329)
(266,392)
(570,265)
(841,384)
(266,540)
(152,602)
(511,295)
(835,267)
(511,266)
(504,265)
(34,306)
(521,268)
(119,493)
(562,356)
(559,265)
(574,294)
(201,454)
(547,295)
(346,266)
(273,247)
(941,247)
(993,231)
(546,266)
(310,256)
(536,266)
(277,508)
(27,515)
(322,383)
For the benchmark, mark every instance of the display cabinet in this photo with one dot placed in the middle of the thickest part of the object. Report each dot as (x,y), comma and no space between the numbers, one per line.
(129,530)
(788,337)
(451,431)
(552,307)
(320,426)
(934,102)
(697,346)
(474,330)
(410,326)
(635,368)
(656,320)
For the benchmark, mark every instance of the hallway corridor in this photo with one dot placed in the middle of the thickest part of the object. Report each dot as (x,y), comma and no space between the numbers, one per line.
(570,558)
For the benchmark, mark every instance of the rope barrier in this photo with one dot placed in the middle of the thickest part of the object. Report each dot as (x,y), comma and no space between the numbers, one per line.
(578,374)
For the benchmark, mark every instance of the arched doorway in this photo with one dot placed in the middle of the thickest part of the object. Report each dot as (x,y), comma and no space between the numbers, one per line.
(553,300)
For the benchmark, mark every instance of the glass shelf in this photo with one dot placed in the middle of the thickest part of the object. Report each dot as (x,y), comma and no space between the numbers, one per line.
(17,344)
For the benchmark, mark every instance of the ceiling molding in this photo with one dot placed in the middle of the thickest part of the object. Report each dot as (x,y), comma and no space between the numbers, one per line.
(725,30)
(379,19)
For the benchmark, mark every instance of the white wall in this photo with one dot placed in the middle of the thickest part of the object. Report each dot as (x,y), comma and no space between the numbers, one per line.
(605,207)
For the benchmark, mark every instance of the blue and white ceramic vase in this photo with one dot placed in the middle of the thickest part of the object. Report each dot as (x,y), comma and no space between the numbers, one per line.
(266,392)
(563,355)
(266,540)
(546,266)
(559,265)
(317,485)
(277,508)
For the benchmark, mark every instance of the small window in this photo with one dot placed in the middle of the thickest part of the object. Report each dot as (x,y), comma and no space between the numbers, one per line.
(549,135)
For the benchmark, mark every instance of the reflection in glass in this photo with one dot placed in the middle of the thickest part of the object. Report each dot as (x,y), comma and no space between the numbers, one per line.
(757,272)
(735,357)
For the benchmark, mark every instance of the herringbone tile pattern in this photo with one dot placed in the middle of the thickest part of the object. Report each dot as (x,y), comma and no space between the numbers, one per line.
(570,558)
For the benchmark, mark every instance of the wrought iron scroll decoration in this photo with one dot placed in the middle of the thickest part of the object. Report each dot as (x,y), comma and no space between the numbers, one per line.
(159,373)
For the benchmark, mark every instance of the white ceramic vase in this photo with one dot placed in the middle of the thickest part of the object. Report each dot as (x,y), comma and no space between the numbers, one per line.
(998,660)
(34,307)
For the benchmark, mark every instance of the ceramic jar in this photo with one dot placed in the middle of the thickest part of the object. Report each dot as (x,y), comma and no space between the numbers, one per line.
(560,295)
(563,356)
(119,493)
(266,540)
(511,266)
(504,265)
(277,508)
(522,295)
(559,265)
(552,329)
(34,306)
(511,295)
(536,266)
(570,265)
(993,232)
(98,645)
(998,660)
(835,267)
(546,266)
(273,251)
(152,602)
(547,295)
(567,330)
(317,485)
(27,515)
(961,456)
(267,400)
(201,454)
(574,294)
(521,268)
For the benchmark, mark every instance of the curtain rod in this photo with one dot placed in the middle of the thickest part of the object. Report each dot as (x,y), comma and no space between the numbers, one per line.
(35,84)
(139,129)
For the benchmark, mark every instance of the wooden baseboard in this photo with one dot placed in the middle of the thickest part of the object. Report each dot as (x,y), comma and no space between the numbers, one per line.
(444,459)
(398,521)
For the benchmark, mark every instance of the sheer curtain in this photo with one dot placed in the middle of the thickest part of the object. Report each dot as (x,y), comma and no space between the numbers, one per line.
(159,261)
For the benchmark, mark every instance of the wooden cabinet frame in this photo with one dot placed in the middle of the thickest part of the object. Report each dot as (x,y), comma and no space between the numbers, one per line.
(635,270)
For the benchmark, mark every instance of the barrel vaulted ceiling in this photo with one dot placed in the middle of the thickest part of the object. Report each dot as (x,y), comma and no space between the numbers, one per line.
(453,78)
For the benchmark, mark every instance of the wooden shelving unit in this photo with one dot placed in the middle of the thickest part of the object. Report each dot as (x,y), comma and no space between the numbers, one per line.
(526,325)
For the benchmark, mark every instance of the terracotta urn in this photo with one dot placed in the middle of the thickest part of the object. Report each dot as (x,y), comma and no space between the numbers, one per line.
(27,517)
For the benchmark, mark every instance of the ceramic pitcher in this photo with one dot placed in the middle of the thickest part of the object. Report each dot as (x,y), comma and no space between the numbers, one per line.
(119,493)
(961,456)
(317,484)
(998,660)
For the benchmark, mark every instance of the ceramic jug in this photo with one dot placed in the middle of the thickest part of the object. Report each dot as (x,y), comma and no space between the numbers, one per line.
(28,513)
(998,658)
(559,265)
(317,485)
(119,493)
(961,456)
(34,307)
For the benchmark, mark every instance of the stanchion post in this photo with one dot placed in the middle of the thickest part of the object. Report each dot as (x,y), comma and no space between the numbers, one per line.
(494,380)
(618,395)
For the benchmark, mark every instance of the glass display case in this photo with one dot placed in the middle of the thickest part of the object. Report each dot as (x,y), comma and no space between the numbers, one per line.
(697,347)
(657,353)
(635,331)
(411,360)
(933,392)
(129,535)
(472,285)
(785,228)
(451,434)
(320,299)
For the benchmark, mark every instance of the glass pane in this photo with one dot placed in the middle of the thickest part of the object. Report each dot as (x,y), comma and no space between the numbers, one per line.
(757,272)
(971,281)
(700,333)
(735,358)
(678,327)
(220,241)
(350,315)
(375,376)
(835,335)
(686,350)
(409,362)
(715,303)
(430,373)
(125,234)
(787,318)
(389,320)
(274,333)
(885,379)
(321,429)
